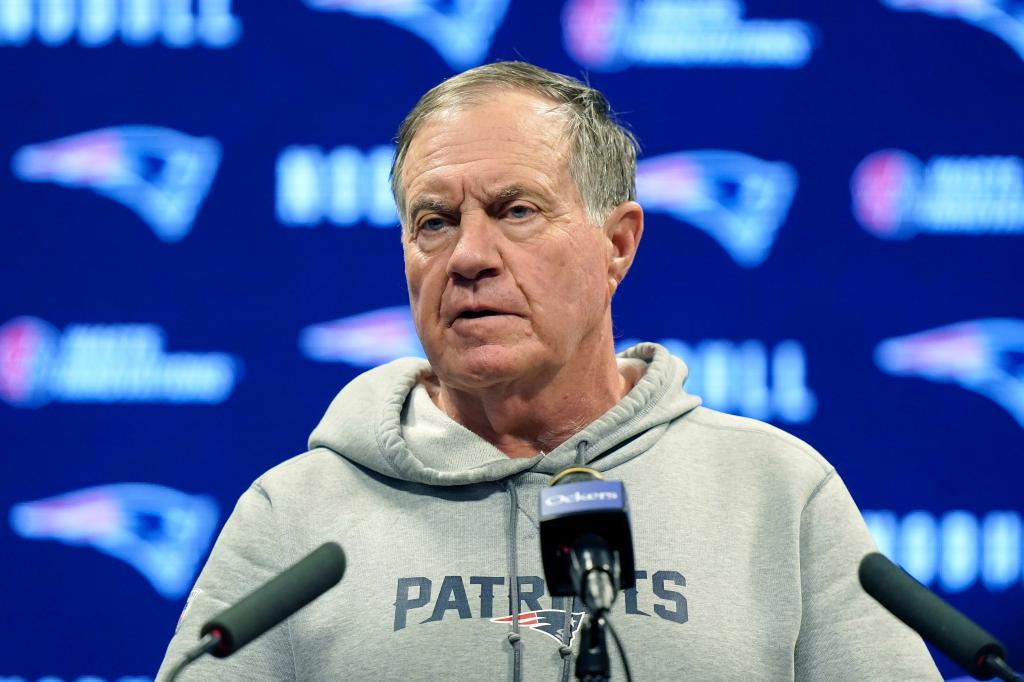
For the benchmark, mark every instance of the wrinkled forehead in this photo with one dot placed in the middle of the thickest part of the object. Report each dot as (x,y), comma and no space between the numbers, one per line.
(514,125)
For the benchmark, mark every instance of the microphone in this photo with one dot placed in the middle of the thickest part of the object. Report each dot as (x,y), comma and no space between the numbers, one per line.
(268,605)
(953,633)
(585,539)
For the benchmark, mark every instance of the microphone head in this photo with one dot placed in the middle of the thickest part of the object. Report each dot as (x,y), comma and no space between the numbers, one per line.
(579,502)
(925,612)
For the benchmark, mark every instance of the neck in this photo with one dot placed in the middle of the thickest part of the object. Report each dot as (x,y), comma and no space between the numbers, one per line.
(524,419)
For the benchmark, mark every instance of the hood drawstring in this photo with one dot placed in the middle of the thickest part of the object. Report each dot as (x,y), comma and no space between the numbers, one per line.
(565,651)
(514,637)
(581,452)
(513,581)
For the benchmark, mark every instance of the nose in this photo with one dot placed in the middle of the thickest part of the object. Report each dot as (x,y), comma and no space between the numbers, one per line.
(476,254)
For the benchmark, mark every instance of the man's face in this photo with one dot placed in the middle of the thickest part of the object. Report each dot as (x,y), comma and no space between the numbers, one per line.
(507,280)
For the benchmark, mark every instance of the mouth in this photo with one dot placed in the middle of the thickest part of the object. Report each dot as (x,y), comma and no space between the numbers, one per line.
(477,314)
(474,314)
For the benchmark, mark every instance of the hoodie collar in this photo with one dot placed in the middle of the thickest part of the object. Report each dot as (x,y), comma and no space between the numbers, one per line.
(385,421)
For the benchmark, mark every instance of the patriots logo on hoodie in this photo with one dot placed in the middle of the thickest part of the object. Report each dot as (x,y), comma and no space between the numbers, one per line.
(549,621)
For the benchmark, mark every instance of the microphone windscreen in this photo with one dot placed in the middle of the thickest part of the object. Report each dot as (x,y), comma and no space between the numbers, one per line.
(952,632)
(282,596)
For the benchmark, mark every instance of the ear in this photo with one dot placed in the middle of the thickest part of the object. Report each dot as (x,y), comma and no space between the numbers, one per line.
(622,229)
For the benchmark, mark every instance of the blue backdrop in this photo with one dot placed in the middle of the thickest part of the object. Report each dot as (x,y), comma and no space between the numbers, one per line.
(199,249)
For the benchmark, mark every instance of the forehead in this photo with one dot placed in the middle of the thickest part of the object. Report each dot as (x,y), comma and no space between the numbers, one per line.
(508,135)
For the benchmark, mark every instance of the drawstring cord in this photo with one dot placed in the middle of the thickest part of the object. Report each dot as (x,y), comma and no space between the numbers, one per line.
(513,580)
(581,452)
(514,637)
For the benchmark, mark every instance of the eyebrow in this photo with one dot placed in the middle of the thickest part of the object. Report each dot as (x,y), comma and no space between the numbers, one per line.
(506,193)
(430,204)
(437,205)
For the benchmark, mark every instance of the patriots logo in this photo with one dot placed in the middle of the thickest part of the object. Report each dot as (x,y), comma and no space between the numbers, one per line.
(739,200)
(161,174)
(460,30)
(549,621)
(985,356)
(162,533)
(1002,18)
(364,340)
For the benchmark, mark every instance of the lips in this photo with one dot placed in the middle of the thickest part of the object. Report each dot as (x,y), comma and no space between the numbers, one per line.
(477,313)
(474,314)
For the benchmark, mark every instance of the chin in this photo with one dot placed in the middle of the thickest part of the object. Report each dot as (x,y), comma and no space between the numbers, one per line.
(482,366)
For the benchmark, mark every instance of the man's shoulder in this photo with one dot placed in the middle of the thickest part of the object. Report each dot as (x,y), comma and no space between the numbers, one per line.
(314,472)
(722,434)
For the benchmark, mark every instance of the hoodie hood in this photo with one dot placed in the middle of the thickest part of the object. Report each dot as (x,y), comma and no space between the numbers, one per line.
(383,420)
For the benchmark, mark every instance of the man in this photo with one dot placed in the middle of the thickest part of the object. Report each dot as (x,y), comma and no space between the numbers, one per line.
(515,188)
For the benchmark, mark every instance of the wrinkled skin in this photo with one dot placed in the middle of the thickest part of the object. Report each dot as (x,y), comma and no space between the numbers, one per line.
(510,285)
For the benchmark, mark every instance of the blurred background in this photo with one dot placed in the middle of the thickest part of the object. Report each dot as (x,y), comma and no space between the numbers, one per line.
(199,249)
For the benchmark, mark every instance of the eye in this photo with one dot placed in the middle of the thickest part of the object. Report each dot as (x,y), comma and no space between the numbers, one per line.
(432,224)
(519,211)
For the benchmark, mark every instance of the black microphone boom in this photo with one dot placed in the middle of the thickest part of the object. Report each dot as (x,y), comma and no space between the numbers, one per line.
(974,649)
(276,600)
(296,586)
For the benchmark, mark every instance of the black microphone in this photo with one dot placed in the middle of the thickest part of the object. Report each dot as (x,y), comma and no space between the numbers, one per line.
(268,605)
(585,539)
(957,636)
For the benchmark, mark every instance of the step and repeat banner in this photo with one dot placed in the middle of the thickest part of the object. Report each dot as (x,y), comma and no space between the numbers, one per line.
(199,249)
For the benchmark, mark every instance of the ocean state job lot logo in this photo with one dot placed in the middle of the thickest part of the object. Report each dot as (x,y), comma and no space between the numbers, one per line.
(160,532)
(460,31)
(106,363)
(614,34)
(896,196)
(160,174)
(984,356)
(739,200)
(1002,18)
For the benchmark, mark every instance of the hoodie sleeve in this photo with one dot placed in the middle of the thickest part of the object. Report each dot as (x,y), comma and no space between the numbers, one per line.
(246,555)
(844,633)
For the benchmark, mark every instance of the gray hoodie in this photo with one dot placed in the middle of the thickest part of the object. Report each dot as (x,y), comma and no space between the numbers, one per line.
(747,545)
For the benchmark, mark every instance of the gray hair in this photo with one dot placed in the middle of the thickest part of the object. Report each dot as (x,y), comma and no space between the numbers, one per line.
(602,153)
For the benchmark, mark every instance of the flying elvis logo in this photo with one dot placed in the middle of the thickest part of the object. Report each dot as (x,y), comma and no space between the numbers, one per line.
(460,30)
(547,621)
(739,200)
(985,356)
(160,532)
(364,340)
(1002,18)
(160,174)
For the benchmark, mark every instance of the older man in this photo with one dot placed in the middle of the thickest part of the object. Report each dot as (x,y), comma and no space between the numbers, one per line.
(515,188)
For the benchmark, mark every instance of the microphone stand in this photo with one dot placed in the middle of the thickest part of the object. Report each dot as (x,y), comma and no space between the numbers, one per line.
(210,641)
(592,665)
